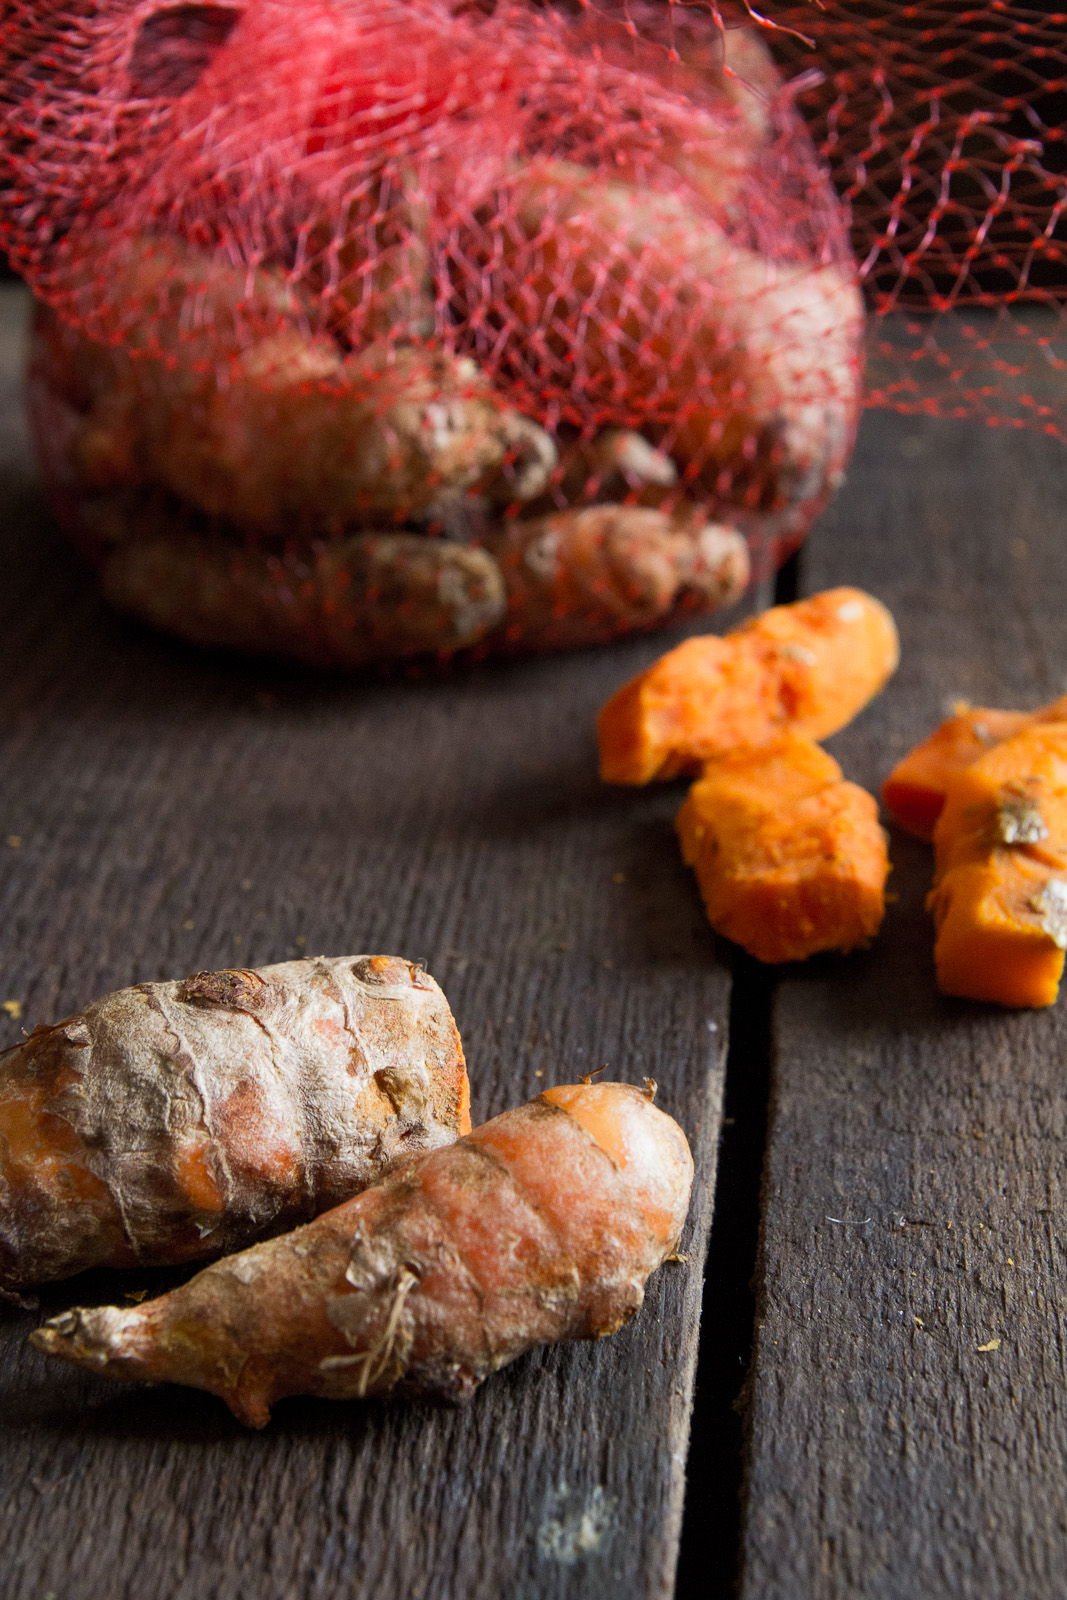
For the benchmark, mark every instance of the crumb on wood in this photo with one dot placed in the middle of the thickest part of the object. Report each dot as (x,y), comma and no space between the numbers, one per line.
(575,1525)
(990,1345)
(13,1008)
(14,841)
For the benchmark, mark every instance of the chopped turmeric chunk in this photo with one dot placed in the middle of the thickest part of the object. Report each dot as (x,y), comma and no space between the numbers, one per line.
(1000,895)
(789,856)
(914,792)
(808,668)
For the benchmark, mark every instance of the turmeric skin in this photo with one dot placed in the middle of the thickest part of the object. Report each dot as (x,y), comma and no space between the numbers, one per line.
(807,668)
(1000,894)
(175,1121)
(789,857)
(539,1226)
(914,792)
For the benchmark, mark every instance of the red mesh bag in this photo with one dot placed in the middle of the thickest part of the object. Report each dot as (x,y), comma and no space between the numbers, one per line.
(371,328)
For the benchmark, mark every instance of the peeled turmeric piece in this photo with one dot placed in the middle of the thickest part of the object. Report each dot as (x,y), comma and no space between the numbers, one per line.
(539,1226)
(808,668)
(1000,894)
(789,857)
(173,1121)
(914,792)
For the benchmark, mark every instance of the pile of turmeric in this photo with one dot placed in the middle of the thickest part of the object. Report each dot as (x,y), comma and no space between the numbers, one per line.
(789,856)
(174,1121)
(541,1225)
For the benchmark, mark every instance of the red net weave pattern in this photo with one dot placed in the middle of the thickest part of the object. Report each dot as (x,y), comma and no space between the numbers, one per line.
(375,327)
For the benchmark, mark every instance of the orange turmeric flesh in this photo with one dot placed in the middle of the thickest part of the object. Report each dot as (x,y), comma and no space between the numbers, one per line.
(1000,895)
(806,668)
(914,792)
(789,857)
(541,1225)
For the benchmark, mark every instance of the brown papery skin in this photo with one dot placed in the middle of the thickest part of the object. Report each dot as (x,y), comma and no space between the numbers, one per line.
(176,1121)
(539,1226)
(806,668)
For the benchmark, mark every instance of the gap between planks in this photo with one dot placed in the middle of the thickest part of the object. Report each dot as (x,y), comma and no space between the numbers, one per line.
(709,1554)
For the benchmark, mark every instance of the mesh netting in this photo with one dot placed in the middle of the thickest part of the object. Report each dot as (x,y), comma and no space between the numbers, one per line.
(376,327)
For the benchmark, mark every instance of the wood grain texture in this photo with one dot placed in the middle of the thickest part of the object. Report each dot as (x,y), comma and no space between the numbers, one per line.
(177,811)
(908,1401)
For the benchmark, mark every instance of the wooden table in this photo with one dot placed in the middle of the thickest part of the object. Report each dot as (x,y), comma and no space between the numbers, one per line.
(875,1365)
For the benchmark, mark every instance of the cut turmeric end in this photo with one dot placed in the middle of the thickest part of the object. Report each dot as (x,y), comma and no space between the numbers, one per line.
(1000,896)
(914,792)
(808,668)
(991,942)
(789,856)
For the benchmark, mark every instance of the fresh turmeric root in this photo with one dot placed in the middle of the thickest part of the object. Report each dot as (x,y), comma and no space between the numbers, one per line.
(914,792)
(807,668)
(1000,895)
(581,576)
(223,395)
(539,1226)
(174,1121)
(339,603)
(789,857)
(745,370)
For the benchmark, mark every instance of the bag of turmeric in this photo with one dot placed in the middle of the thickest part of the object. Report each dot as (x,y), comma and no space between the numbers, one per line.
(377,328)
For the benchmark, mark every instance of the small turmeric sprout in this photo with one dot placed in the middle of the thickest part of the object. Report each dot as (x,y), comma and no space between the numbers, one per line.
(539,1226)
(176,1121)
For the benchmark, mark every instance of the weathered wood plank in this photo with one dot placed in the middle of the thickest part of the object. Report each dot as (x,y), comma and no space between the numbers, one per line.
(178,812)
(908,1413)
